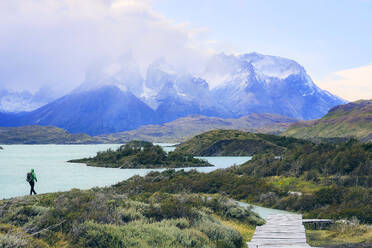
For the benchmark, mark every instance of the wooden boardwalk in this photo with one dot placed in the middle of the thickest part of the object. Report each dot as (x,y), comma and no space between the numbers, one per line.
(280,231)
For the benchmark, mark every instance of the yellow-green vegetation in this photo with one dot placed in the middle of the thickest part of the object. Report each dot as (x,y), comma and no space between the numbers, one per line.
(294,184)
(107,218)
(235,143)
(13,236)
(349,159)
(348,232)
(244,229)
(344,121)
(142,154)
(334,180)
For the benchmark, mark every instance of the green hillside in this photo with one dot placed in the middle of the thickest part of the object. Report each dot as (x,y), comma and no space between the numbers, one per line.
(319,180)
(42,135)
(185,128)
(141,154)
(235,143)
(344,121)
(350,159)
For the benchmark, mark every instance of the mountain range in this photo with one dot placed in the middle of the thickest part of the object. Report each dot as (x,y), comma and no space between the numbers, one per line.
(115,97)
(352,120)
(176,131)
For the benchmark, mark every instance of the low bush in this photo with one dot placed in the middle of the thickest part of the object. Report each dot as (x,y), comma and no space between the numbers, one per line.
(97,218)
(138,234)
(15,238)
(223,236)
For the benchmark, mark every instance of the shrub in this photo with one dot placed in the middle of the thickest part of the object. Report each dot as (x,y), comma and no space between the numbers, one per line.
(222,235)
(13,241)
(19,239)
(137,234)
(130,214)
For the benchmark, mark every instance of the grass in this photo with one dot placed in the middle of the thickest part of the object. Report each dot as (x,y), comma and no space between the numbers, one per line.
(13,236)
(294,184)
(340,123)
(351,233)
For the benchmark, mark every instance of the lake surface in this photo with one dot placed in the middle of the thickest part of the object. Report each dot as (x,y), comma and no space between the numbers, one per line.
(55,174)
(262,211)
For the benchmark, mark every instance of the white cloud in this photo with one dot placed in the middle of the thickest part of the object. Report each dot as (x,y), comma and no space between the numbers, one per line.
(52,42)
(351,84)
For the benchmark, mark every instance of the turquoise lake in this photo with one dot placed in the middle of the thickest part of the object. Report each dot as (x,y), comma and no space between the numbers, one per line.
(55,174)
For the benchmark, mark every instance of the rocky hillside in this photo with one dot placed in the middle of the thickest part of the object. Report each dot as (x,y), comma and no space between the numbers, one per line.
(352,120)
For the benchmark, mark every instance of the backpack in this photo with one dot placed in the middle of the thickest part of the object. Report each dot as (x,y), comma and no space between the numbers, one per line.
(29,177)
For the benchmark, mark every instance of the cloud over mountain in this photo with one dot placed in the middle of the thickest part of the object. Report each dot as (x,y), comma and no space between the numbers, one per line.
(53,42)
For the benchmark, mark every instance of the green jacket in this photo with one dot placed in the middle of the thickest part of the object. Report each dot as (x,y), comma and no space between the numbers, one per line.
(33,175)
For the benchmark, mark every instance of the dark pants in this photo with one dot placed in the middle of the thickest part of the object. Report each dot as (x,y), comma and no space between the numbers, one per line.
(32,184)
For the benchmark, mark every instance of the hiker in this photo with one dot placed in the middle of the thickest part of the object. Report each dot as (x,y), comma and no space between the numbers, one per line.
(31,179)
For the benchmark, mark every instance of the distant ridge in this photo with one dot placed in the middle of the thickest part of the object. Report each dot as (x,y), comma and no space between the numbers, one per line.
(175,131)
(185,128)
(352,120)
(42,135)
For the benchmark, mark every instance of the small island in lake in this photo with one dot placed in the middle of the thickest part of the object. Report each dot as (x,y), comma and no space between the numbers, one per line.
(141,155)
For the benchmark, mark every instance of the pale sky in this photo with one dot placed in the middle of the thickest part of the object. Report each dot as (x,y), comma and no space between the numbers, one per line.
(352,84)
(53,42)
(332,39)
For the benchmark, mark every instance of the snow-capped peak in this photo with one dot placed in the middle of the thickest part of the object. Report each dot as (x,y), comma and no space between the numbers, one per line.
(223,68)
(273,66)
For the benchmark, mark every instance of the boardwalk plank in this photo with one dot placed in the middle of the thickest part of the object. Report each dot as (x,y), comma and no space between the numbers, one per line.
(280,230)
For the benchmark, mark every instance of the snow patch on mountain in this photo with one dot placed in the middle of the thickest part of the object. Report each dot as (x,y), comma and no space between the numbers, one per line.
(272,66)
(20,101)
(223,68)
